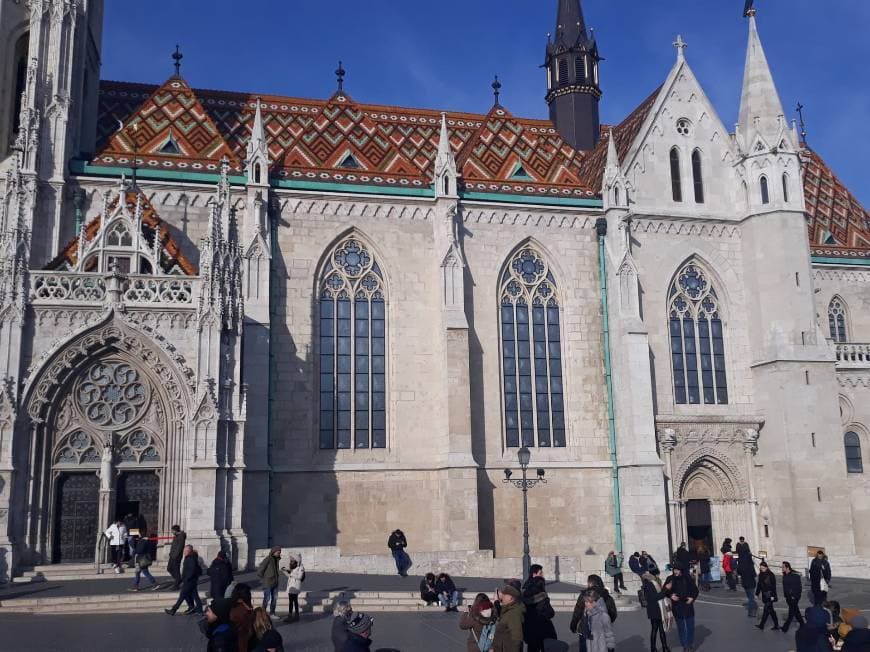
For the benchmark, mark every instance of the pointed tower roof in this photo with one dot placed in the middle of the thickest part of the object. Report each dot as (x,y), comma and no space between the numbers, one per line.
(570,25)
(257,143)
(760,107)
(444,159)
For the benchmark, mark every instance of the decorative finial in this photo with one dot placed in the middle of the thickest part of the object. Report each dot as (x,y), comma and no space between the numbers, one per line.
(800,110)
(749,9)
(177,57)
(340,72)
(496,89)
(681,46)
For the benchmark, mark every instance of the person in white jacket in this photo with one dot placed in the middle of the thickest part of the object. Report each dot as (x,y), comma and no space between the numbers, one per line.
(117,536)
(295,576)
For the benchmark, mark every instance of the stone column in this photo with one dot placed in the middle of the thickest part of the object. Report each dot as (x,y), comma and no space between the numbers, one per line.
(750,447)
(108,492)
(667,442)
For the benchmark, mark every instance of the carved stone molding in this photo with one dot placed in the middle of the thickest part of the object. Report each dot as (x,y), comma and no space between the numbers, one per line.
(687,228)
(848,276)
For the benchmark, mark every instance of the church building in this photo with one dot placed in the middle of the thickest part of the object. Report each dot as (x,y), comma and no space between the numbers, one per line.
(309,322)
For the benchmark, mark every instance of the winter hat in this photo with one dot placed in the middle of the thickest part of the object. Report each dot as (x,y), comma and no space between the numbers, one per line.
(221,608)
(360,623)
(511,590)
(859,622)
(274,550)
(271,639)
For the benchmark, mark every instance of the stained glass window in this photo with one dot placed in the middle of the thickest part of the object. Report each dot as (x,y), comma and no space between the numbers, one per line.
(353,362)
(854,463)
(837,319)
(531,350)
(697,339)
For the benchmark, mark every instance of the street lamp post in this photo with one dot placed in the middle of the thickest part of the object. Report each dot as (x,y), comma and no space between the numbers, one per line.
(524,456)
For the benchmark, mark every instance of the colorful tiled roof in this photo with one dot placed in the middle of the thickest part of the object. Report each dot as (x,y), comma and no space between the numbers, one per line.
(334,140)
(838,224)
(173,259)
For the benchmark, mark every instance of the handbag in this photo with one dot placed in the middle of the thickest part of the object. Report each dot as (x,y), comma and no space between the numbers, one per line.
(823,585)
(143,561)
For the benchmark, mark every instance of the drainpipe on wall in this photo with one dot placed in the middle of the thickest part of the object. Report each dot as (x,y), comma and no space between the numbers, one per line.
(273,238)
(601,230)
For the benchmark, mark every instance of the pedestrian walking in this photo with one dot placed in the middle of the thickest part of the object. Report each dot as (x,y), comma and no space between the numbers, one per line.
(116,535)
(601,637)
(480,621)
(448,596)
(190,572)
(242,615)
(767,590)
(143,557)
(176,553)
(538,623)
(512,616)
(340,616)
(746,571)
(221,575)
(683,593)
(704,566)
(131,524)
(295,576)
(742,550)
(729,569)
(726,547)
(792,588)
(682,556)
(359,633)
(218,629)
(820,577)
(397,544)
(613,567)
(268,573)
(651,593)
(427,589)
(595,582)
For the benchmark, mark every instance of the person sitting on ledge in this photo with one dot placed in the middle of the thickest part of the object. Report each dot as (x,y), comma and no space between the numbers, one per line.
(427,590)
(448,596)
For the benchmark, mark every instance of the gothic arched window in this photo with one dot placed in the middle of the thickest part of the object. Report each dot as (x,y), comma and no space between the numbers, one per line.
(676,181)
(353,356)
(697,177)
(765,190)
(785,187)
(852,444)
(837,319)
(531,350)
(697,339)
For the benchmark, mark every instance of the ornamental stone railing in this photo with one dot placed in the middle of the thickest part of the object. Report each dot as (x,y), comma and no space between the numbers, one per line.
(58,288)
(852,355)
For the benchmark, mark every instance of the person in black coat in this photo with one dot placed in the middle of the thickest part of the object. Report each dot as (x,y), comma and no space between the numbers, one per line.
(820,570)
(682,556)
(746,571)
(742,550)
(217,628)
(538,622)
(652,595)
(704,563)
(190,572)
(176,553)
(427,589)
(448,596)
(221,574)
(813,635)
(792,588)
(397,544)
(858,640)
(726,547)
(767,590)
(682,591)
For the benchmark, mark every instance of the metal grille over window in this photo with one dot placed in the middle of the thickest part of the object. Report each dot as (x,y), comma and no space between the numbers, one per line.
(531,353)
(837,319)
(697,340)
(353,366)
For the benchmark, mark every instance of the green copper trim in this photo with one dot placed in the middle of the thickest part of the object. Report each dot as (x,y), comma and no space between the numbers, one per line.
(826,260)
(85,168)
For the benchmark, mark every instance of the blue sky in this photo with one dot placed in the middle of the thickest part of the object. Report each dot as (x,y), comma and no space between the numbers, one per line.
(444,54)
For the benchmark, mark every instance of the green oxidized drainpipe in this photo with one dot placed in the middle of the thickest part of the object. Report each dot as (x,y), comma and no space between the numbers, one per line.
(601,230)
(78,202)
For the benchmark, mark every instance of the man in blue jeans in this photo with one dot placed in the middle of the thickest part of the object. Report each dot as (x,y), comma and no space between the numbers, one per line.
(682,591)
(746,571)
(268,573)
(397,544)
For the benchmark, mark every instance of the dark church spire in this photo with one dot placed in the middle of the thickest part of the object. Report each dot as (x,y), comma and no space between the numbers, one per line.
(573,91)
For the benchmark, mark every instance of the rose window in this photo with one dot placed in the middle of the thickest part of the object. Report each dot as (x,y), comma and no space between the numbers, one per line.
(111,394)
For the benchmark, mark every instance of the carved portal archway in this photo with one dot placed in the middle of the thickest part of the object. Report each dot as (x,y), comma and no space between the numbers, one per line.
(108,404)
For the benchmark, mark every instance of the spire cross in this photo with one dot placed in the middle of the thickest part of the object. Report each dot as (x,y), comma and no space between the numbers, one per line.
(177,57)
(800,110)
(340,72)
(496,89)
(680,45)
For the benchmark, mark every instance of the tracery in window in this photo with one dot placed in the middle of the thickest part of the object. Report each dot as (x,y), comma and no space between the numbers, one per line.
(837,320)
(531,353)
(353,363)
(697,339)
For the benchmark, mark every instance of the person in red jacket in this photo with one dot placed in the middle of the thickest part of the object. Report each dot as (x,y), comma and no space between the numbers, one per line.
(729,570)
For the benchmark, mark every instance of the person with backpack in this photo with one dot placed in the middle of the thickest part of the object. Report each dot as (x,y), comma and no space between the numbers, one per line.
(480,621)
(268,573)
(538,624)
(682,591)
(767,590)
(295,576)
(221,575)
(650,596)
(613,567)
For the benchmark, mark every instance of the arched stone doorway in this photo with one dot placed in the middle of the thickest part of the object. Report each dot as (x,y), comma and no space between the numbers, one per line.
(106,436)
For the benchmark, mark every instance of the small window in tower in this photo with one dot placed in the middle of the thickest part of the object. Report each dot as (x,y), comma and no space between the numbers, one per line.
(676,181)
(580,69)
(350,162)
(563,73)
(257,174)
(785,188)
(765,191)
(697,177)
